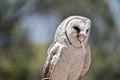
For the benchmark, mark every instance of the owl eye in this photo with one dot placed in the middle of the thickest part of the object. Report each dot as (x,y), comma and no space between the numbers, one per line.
(77,29)
(87,30)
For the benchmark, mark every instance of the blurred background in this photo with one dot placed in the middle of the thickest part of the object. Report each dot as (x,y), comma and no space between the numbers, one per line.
(27,29)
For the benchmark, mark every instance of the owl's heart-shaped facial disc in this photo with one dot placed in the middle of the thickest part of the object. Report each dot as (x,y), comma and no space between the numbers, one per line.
(77,30)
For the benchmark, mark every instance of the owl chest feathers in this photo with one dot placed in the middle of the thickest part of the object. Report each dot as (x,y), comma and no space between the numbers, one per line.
(70,64)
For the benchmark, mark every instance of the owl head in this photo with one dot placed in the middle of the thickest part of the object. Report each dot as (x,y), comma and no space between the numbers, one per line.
(76,30)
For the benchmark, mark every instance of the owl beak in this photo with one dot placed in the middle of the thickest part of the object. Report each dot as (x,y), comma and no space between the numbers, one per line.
(81,37)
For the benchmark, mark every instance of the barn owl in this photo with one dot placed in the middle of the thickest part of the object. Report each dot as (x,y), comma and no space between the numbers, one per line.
(69,56)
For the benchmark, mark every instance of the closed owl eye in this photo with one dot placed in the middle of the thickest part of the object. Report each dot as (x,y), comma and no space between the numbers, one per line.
(77,29)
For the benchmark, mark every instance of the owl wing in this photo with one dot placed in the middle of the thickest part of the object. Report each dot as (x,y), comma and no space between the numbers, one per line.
(54,52)
(87,60)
